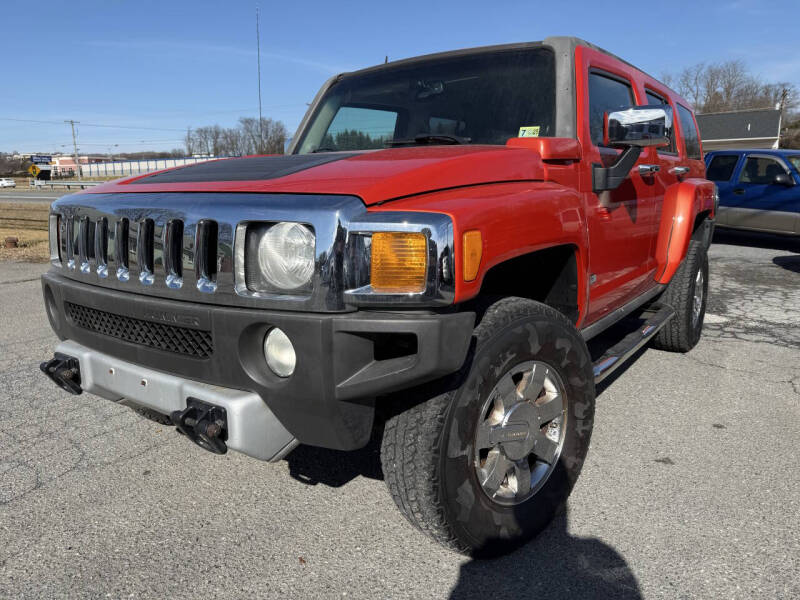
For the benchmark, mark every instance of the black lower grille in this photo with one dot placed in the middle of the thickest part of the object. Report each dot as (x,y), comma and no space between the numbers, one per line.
(181,340)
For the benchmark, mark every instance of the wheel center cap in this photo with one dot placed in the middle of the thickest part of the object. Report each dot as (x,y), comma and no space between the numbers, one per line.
(514,435)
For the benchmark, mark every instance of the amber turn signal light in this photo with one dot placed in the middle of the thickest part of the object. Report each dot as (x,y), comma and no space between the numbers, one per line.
(473,250)
(399,262)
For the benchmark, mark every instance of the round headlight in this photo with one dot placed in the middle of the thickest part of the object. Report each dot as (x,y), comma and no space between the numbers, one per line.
(286,255)
(279,352)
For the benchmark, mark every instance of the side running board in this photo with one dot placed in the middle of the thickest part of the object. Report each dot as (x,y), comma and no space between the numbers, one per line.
(615,356)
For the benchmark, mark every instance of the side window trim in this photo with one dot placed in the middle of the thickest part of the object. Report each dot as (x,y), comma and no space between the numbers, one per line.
(777,159)
(737,166)
(684,136)
(665,100)
(623,79)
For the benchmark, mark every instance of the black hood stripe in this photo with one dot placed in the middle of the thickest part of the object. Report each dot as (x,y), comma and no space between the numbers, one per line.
(254,168)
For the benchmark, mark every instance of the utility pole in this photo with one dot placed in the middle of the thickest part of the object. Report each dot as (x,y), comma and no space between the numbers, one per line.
(259,150)
(75,147)
(781,105)
(189,149)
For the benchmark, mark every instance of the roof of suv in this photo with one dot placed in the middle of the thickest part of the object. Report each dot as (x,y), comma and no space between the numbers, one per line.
(558,42)
(769,151)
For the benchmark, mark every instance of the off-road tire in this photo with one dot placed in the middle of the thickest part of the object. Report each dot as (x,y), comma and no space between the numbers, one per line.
(427,449)
(682,332)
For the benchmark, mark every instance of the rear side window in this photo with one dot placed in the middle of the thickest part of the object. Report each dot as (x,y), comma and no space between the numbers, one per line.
(690,137)
(760,170)
(721,167)
(606,94)
(654,99)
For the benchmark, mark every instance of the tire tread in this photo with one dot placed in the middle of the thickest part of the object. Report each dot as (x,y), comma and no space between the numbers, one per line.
(677,334)
(412,440)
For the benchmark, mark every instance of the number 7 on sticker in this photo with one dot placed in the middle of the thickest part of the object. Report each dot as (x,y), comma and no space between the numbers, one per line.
(529,131)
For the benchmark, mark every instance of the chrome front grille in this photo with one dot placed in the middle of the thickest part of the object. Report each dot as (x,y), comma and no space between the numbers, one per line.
(91,245)
(181,245)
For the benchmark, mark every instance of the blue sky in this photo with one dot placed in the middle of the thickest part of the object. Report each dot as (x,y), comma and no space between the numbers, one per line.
(155,68)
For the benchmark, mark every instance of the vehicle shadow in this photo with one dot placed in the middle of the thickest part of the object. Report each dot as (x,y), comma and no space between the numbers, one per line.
(554,565)
(335,468)
(754,239)
(790,263)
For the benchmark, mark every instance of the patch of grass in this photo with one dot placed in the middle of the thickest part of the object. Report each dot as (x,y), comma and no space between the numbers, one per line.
(28,223)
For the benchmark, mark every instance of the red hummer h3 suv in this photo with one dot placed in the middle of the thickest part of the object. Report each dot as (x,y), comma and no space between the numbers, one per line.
(429,262)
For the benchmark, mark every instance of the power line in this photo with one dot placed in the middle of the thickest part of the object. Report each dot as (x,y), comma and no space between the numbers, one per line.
(131,142)
(92,124)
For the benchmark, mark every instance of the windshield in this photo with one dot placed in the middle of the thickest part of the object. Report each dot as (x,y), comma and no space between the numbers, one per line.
(795,160)
(481,98)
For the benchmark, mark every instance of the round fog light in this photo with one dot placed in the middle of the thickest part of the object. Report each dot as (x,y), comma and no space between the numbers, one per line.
(279,352)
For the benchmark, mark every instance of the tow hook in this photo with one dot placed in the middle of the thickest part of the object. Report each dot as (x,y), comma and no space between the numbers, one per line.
(64,371)
(205,424)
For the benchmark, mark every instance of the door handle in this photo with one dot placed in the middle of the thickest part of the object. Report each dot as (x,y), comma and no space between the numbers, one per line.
(739,191)
(678,171)
(645,170)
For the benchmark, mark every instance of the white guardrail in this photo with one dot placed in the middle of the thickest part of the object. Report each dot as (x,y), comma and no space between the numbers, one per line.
(38,183)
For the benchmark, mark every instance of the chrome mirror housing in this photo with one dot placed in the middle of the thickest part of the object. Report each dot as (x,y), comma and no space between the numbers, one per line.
(640,126)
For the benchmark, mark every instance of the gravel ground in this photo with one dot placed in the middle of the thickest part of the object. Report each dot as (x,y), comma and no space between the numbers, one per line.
(691,488)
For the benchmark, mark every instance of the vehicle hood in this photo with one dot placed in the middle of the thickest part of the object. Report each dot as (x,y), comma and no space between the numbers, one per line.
(374,176)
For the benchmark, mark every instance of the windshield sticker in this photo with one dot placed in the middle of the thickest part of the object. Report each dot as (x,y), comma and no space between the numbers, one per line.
(530,131)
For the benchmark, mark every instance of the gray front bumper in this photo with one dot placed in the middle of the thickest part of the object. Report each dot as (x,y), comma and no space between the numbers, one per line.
(252,427)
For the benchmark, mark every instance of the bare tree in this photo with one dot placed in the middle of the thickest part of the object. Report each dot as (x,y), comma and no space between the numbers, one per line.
(188,141)
(274,137)
(690,84)
(728,85)
(247,138)
(233,142)
(249,128)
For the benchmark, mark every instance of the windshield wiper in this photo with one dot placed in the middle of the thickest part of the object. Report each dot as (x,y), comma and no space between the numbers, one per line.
(324,150)
(431,138)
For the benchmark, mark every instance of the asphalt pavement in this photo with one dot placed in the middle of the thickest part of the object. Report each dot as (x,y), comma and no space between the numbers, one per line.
(23,195)
(691,488)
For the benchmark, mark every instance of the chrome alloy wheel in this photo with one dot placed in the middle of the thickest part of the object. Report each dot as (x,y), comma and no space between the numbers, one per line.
(520,433)
(697,302)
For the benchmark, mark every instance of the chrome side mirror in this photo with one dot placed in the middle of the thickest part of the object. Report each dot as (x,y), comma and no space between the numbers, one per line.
(638,126)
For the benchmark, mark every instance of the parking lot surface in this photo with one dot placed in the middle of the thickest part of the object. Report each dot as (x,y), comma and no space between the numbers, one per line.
(691,488)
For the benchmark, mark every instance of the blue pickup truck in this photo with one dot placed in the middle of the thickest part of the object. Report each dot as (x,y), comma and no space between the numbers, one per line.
(759,190)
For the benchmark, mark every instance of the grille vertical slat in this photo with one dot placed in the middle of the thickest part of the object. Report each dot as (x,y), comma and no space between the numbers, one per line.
(205,255)
(67,252)
(144,252)
(188,254)
(83,245)
(101,246)
(173,253)
(158,249)
(121,238)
